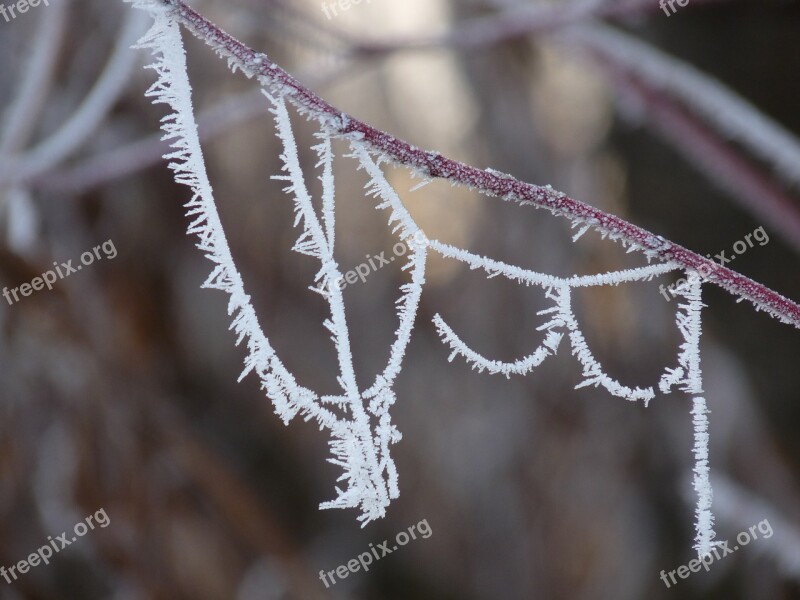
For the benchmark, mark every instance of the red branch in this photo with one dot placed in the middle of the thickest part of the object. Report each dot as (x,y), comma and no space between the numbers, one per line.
(492,183)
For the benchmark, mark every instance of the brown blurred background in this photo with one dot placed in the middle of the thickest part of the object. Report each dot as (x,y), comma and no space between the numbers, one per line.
(118,387)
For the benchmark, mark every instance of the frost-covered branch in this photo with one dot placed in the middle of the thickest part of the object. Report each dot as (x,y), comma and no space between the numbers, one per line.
(428,164)
(172,87)
(360,435)
(712,101)
(359,422)
(363,455)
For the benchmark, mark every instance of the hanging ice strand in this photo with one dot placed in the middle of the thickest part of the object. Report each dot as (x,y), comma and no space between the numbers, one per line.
(690,377)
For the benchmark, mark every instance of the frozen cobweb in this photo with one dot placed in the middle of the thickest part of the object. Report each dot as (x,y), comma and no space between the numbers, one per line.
(358,420)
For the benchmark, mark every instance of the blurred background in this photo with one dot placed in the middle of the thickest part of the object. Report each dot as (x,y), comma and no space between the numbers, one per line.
(118,387)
